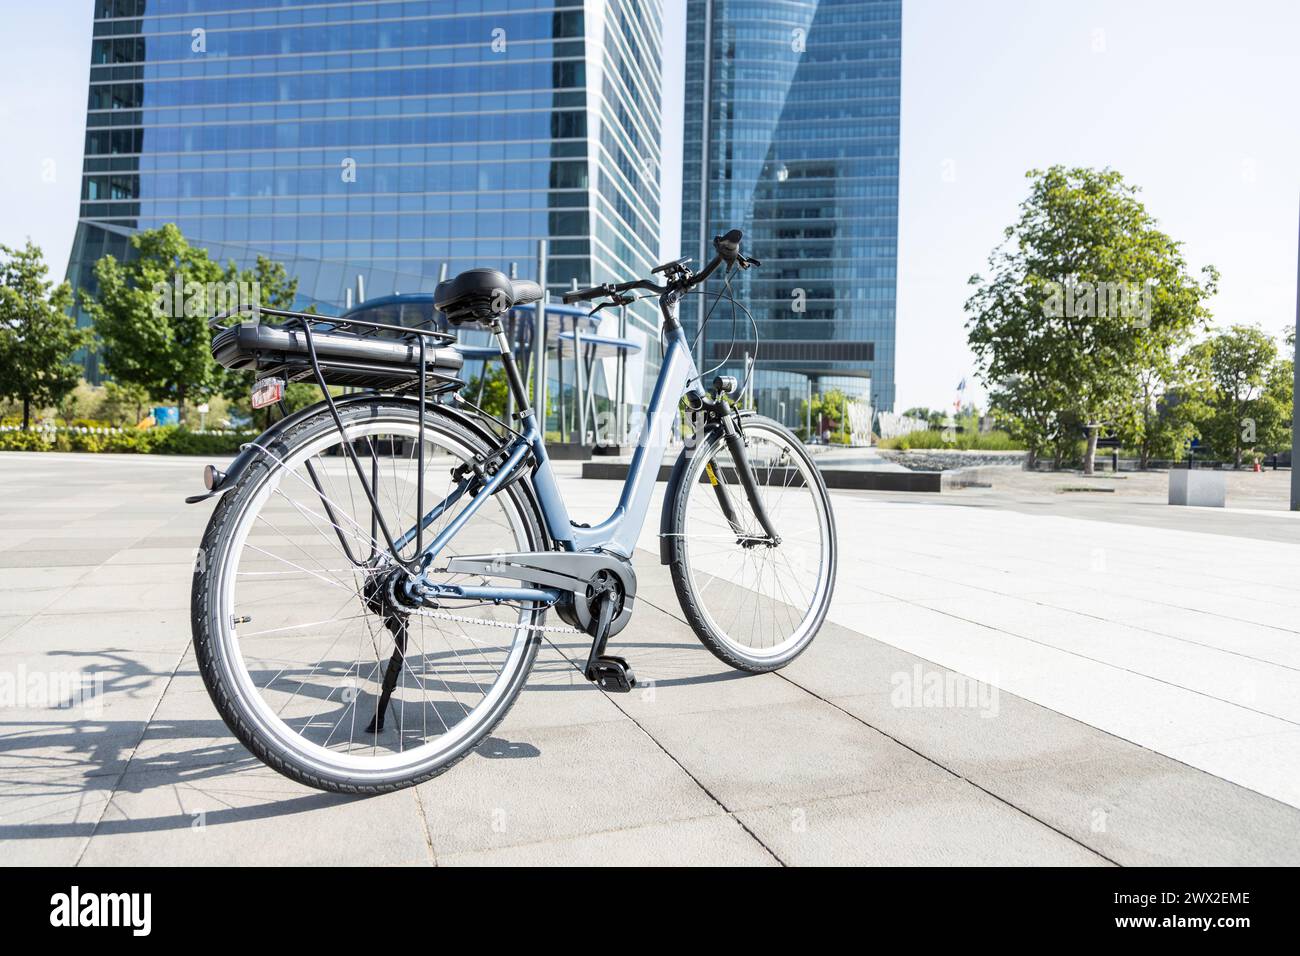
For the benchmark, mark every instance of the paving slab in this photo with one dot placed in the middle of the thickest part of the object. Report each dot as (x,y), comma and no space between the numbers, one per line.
(47,813)
(948,823)
(1059,673)
(90,633)
(251,816)
(1144,809)
(38,578)
(556,695)
(706,841)
(561,782)
(756,756)
(78,708)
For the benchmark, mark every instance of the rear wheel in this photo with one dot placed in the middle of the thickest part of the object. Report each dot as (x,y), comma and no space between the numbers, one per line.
(754,602)
(312,661)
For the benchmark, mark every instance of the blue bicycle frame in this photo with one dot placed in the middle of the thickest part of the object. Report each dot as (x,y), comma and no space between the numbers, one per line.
(618,533)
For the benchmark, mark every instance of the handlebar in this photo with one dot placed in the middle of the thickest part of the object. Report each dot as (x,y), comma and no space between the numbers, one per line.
(728,251)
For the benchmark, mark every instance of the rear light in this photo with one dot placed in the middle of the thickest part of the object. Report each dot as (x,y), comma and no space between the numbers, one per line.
(213,477)
(267,391)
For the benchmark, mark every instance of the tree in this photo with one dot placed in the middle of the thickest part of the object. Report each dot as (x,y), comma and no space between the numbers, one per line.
(1084,293)
(151,314)
(828,411)
(124,403)
(37,334)
(1280,389)
(1246,389)
(1165,406)
(931,417)
(490,391)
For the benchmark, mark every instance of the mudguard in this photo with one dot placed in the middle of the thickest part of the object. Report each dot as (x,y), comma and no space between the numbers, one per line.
(248,452)
(670,495)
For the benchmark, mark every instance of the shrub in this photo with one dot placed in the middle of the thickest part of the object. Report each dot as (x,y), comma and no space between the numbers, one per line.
(930,438)
(182,441)
(168,440)
(19,440)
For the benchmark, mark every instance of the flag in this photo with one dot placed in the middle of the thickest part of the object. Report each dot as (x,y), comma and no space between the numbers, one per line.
(961,387)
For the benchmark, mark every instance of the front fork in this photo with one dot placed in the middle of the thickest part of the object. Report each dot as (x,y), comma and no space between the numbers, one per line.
(734,438)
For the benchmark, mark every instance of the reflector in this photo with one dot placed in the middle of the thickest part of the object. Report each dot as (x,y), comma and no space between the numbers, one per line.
(267,391)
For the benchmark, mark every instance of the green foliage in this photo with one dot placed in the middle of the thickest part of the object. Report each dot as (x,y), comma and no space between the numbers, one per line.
(1239,393)
(123,404)
(495,391)
(1161,420)
(37,335)
(951,440)
(1053,368)
(152,317)
(33,440)
(828,411)
(934,418)
(154,337)
(169,440)
(173,440)
(960,431)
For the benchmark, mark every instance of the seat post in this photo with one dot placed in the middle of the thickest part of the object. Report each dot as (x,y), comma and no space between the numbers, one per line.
(516,383)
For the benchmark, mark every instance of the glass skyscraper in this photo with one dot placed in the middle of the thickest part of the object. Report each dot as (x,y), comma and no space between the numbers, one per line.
(792,116)
(385,140)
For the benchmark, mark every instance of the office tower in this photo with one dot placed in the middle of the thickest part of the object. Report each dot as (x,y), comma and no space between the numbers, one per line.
(370,145)
(791,121)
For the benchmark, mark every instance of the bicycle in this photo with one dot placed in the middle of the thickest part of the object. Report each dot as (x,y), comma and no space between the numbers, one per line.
(361,630)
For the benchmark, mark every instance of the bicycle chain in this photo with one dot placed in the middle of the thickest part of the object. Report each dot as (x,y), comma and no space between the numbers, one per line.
(463,619)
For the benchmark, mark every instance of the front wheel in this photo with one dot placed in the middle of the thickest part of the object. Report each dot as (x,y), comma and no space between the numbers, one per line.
(756,600)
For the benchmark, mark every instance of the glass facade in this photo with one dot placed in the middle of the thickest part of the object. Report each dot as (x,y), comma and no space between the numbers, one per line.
(380,140)
(797,102)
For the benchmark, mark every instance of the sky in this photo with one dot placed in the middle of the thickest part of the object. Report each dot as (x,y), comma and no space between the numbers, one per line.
(1193,100)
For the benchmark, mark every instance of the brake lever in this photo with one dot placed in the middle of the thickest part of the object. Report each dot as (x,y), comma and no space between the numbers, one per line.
(616,299)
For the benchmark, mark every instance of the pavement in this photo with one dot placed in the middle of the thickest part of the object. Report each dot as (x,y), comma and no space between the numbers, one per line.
(1012,676)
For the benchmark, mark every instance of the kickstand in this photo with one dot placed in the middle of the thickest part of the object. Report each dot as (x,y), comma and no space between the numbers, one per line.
(609,673)
(396,624)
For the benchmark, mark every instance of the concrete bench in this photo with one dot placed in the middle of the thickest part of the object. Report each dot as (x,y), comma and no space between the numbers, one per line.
(1198,488)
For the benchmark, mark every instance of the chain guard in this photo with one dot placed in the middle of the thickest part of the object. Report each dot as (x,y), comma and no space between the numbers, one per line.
(582,576)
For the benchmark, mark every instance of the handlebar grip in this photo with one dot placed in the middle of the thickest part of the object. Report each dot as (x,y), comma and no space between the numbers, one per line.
(582,295)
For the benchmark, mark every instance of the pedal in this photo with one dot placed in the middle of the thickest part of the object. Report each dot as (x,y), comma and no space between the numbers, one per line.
(612,674)
(609,673)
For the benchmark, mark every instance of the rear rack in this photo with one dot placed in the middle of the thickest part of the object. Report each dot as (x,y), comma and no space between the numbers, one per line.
(335,351)
(343,351)
(334,323)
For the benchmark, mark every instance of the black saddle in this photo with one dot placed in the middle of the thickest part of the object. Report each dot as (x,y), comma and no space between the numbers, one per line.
(481,295)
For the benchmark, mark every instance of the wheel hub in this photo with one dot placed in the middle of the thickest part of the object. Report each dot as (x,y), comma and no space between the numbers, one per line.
(388,593)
